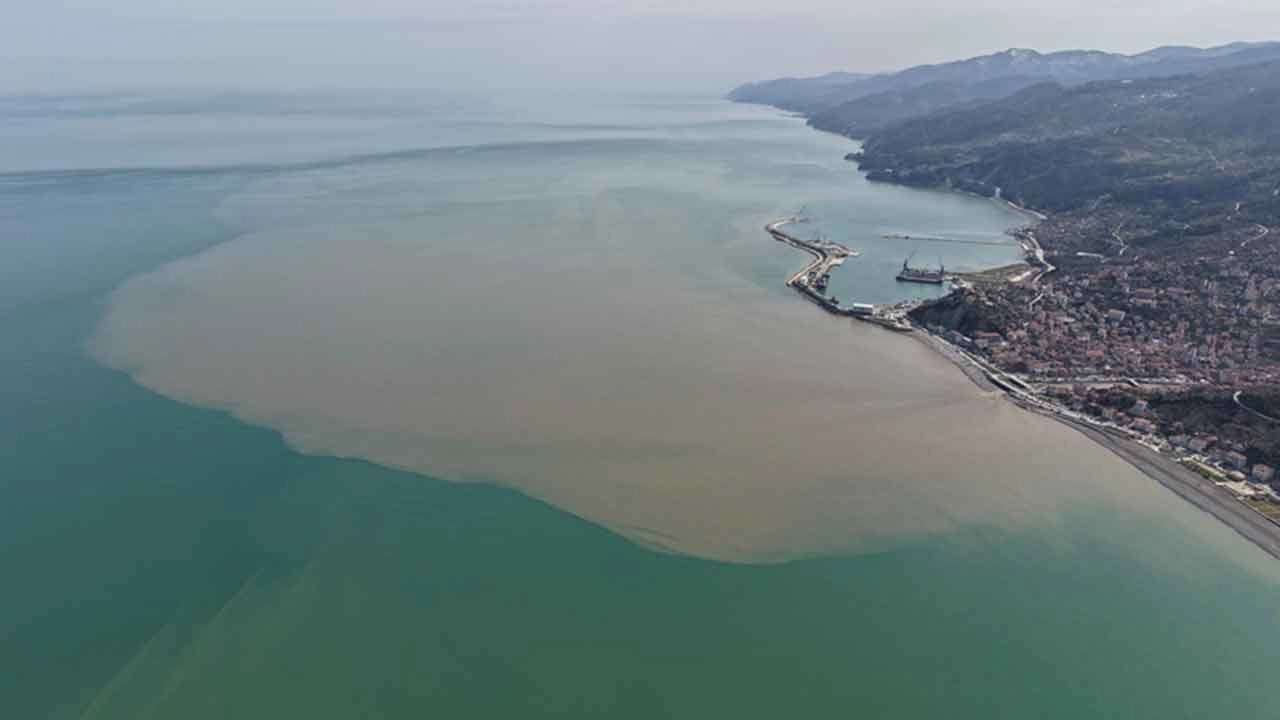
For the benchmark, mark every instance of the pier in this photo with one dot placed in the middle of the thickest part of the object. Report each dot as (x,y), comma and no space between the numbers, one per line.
(957,241)
(810,281)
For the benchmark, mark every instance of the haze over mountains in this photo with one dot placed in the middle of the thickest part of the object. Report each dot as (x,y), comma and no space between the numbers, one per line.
(1159,174)
(1181,132)
(1191,139)
(857,106)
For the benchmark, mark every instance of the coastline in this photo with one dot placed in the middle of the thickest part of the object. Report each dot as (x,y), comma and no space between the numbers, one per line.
(810,280)
(952,354)
(1190,486)
(1187,484)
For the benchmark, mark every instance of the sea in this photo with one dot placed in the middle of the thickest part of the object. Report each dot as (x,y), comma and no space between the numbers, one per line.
(396,405)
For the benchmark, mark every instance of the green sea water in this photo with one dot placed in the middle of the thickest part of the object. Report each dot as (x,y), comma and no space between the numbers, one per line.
(165,561)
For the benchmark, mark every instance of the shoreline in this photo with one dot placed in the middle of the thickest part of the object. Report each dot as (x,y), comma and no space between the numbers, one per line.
(1190,486)
(810,280)
(1187,484)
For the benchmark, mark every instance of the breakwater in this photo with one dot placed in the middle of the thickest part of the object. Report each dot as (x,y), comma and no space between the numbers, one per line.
(810,281)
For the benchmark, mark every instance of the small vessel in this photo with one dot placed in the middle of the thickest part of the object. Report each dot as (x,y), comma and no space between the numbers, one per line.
(920,274)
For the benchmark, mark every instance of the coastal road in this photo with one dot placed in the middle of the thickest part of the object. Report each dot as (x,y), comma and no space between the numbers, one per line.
(1187,484)
(1235,397)
(1263,231)
(1036,251)
(1120,243)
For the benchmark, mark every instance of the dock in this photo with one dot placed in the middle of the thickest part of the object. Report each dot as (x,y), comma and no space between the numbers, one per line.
(935,239)
(811,280)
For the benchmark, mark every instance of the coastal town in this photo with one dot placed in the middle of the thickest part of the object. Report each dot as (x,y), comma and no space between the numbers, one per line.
(1178,353)
(1148,307)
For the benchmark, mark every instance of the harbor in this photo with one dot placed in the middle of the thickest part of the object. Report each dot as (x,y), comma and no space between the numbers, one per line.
(1186,476)
(811,280)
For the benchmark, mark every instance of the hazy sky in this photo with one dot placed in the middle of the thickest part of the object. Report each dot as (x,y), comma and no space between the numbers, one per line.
(59,45)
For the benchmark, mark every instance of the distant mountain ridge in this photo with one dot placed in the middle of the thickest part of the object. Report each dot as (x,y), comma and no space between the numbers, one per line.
(1157,177)
(1157,142)
(799,94)
(858,106)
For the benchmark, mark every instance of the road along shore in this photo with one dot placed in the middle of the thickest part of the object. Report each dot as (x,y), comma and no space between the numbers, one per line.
(1182,481)
(1196,489)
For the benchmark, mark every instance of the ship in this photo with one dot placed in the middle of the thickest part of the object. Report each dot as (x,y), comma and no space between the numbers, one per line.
(921,275)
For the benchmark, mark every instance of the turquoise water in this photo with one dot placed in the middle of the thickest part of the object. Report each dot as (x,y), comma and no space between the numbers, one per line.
(166,561)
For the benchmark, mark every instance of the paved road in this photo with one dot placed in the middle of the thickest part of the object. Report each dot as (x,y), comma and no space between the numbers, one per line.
(1263,231)
(1257,413)
(1038,252)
